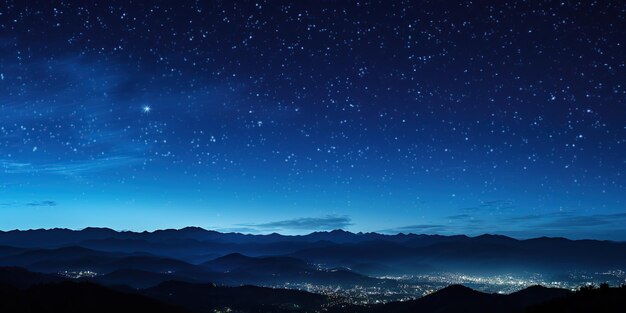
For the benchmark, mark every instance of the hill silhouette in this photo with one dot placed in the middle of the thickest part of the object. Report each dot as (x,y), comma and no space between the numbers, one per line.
(458,298)
(24,291)
(205,297)
(21,278)
(76,297)
(603,299)
(238,261)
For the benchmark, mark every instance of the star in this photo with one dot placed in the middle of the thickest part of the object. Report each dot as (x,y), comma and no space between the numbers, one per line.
(489,125)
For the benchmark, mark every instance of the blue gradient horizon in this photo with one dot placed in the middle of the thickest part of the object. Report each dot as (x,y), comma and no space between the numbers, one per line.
(438,120)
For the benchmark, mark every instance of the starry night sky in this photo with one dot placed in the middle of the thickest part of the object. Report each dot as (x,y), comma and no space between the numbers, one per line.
(263,116)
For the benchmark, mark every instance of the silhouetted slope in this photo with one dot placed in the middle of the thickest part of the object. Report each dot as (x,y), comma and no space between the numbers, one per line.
(602,300)
(233,269)
(149,263)
(487,252)
(6,251)
(457,298)
(536,294)
(21,278)
(206,297)
(239,262)
(136,278)
(23,291)
(71,297)
(278,270)
(79,258)
(50,255)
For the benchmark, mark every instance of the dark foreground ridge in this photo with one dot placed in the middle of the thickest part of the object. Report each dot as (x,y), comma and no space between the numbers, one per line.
(68,296)
(24,291)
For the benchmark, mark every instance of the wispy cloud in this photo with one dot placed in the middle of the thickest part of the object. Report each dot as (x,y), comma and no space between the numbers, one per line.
(95,103)
(537,217)
(557,223)
(42,203)
(564,220)
(417,228)
(467,220)
(243,230)
(617,219)
(565,224)
(70,168)
(327,222)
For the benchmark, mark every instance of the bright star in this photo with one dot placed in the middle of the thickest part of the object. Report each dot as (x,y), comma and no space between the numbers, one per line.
(146,109)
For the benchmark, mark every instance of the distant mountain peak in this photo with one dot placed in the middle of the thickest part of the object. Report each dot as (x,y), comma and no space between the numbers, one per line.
(98,228)
(194,229)
(457,288)
(235,255)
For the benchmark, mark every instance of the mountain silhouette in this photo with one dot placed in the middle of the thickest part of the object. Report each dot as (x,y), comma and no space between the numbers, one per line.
(17,277)
(458,298)
(601,299)
(76,297)
(206,297)
(371,253)
(280,270)
(24,291)
(273,264)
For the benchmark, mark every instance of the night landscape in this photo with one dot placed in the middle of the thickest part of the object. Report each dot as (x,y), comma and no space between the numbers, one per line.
(312,156)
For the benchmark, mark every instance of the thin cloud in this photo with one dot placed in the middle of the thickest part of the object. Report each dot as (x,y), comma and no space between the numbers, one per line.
(587,221)
(42,203)
(417,228)
(564,220)
(327,222)
(67,168)
(243,230)
(538,217)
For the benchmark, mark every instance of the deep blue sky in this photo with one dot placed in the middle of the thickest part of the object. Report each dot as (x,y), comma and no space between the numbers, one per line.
(263,116)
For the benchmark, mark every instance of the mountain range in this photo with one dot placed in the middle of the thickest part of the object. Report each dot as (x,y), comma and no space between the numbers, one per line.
(365,253)
(198,270)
